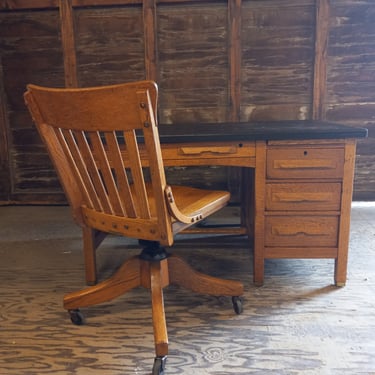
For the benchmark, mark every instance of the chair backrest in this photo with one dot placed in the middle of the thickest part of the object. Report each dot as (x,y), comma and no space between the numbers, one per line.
(105,146)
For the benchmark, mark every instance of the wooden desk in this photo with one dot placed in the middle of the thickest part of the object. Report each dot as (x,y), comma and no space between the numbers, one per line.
(297,182)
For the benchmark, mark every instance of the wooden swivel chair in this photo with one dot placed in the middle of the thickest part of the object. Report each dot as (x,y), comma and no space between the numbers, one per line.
(105,146)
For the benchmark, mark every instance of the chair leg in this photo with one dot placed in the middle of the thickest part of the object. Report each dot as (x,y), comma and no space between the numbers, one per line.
(157,284)
(180,273)
(126,278)
(154,269)
(91,240)
(88,237)
(134,272)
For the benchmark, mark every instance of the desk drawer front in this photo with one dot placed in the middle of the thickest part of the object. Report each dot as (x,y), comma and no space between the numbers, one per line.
(209,150)
(301,231)
(283,163)
(300,197)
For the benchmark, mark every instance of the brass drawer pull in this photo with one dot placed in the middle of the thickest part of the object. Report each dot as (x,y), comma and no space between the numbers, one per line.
(303,197)
(310,231)
(210,150)
(305,164)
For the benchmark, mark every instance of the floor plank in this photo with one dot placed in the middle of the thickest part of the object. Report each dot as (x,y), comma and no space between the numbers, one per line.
(297,323)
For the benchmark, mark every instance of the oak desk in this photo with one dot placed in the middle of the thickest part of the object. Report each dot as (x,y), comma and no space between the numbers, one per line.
(297,182)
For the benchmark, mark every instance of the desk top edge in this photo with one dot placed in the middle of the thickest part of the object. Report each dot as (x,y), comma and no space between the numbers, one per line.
(262,130)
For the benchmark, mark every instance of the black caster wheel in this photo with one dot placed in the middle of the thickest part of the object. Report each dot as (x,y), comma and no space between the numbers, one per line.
(159,365)
(76,317)
(237,305)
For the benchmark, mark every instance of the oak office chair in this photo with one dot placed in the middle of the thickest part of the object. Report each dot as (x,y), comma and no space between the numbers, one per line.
(101,141)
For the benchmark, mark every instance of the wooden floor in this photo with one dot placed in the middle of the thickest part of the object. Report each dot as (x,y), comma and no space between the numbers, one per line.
(297,323)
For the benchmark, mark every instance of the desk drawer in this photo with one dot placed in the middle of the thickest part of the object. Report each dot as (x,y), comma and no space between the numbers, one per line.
(305,162)
(303,197)
(301,231)
(209,150)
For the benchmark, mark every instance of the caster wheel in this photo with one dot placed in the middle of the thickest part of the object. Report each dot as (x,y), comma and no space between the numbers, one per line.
(159,365)
(76,317)
(237,305)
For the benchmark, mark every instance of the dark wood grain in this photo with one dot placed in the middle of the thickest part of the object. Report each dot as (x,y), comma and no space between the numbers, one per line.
(5,187)
(42,4)
(150,31)
(110,45)
(277,59)
(320,66)
(214,61)
(193,63)
(68,43)
(30,52)
(350,82)
(235,47)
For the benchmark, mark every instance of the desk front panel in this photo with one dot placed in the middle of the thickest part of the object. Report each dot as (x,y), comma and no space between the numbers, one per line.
(305,209)
(305,161)
(209,153)
(303,196)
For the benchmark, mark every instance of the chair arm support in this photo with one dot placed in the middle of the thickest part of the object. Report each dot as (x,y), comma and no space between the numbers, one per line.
(176,213)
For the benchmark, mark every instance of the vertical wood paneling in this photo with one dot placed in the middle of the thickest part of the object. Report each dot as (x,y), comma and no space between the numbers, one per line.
(214,60)
(320,66)
(30,52)
(351,52)
(350,94)
(68,44)
(150,30)
(27,4)
(193,62)
(234,24)
(277,59)
(109,45)
(4,146)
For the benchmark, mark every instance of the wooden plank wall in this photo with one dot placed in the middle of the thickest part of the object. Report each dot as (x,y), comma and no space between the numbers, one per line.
(213,60)
(350,94)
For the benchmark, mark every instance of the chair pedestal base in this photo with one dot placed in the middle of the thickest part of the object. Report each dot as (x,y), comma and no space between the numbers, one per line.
(154,275)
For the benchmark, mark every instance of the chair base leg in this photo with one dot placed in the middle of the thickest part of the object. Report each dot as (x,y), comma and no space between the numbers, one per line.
(155,273)
(180,273)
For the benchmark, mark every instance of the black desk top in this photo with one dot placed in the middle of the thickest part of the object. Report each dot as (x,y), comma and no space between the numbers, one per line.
(253,131)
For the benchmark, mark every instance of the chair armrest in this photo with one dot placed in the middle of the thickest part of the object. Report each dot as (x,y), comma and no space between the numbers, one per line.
(176,213)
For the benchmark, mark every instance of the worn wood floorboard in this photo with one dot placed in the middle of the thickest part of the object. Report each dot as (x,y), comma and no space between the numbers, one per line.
(297,323)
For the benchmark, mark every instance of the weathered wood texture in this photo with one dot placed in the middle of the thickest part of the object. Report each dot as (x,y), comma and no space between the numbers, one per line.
(213,60)
(68,43)
(193,62)
(297,323)
(30,52)
(320,66)
(110,45)
(277,56)
(351,80)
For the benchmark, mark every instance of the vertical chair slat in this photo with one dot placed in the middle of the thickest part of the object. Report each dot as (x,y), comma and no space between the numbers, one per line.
(94,179)
(77,164)
(120,174)
(140,196)
(106,173)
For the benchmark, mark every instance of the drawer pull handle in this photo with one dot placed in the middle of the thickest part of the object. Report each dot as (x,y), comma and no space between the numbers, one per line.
(302,198)
(304,164)
(205,150)
(317,230)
